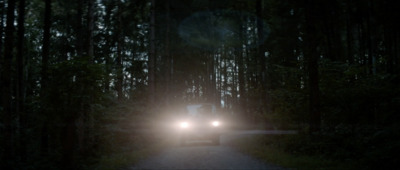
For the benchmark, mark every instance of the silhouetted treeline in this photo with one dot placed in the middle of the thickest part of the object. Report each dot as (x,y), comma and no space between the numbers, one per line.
(327,68)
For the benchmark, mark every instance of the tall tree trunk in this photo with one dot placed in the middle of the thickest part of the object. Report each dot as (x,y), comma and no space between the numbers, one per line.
(9,149)
(219,78)
(370,40)
(68,143)
(223,75)
(261,54)
(167,54)
(46,44)
(349,36)
(242,90)
(119,83)
(79,29)
(44,73)
(152,55)
(389,45)
(310,52)
(213,85)
(107,76)
(20,81)
(2,7)
(120,77)
(90,25)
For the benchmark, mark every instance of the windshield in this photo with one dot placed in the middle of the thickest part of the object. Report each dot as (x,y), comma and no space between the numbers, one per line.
(201,110)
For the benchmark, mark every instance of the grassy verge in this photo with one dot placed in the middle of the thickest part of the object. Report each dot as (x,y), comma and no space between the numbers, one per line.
(127,155)
(128,133)
(124,159)
(273,149)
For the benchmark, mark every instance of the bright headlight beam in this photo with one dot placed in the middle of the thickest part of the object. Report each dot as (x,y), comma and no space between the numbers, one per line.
(183,124)
(215,123)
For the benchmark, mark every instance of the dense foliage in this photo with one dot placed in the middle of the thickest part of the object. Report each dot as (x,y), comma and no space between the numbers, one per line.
(72,72)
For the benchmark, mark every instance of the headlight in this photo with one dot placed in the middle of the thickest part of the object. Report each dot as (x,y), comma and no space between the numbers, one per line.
(215,123)
(184,124)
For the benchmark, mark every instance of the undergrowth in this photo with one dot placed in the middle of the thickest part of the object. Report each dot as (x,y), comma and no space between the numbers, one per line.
(279,150)
(342,147)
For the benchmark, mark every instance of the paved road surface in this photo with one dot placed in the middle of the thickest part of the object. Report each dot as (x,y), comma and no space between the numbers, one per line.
(203,155)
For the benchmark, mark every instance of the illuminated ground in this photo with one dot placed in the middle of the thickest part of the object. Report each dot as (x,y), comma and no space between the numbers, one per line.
(204,155)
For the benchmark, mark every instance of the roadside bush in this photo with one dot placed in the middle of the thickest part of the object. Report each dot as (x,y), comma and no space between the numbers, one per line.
(365,146)
(121,142)
(383,148)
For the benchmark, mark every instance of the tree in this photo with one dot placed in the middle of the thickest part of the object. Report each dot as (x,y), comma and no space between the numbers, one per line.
(312,55)
(322,65)
(261,55)
(20,81)
(152,54)
(44,72)
(2,4)
(119,66)
(9,116)
(90,25)
(167,54)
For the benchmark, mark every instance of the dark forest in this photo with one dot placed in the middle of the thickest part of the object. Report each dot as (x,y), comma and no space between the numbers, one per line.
(78,77)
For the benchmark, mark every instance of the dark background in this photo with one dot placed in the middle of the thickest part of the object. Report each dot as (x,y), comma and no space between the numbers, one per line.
(74,73)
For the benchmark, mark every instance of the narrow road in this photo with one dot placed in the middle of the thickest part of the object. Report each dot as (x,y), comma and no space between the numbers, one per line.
(203,155)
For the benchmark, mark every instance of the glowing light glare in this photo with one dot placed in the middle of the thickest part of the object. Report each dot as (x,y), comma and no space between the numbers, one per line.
(183,124)
(215,123)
